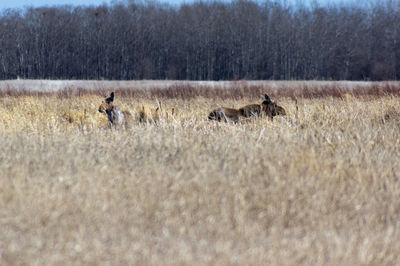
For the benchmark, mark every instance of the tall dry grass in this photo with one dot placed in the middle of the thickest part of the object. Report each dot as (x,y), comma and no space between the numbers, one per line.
(319,186)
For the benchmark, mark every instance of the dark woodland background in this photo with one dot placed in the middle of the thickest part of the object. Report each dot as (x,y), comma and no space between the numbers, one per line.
(202,41)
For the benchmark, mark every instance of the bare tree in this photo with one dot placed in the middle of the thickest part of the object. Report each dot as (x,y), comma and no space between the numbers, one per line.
(243,39)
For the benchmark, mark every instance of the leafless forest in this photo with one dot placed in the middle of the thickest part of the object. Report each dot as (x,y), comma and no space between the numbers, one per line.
(203,41)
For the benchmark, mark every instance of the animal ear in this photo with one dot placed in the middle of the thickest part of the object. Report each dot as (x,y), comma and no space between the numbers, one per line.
(111,98)
(267,100)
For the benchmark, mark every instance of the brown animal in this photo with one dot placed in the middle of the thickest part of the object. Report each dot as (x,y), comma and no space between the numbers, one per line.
(225,114)
(116,117)
(267,107)
(272,109)
(251,110)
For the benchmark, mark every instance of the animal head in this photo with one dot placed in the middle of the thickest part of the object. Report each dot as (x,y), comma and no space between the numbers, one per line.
(115,116)
(107,104)
(270,108)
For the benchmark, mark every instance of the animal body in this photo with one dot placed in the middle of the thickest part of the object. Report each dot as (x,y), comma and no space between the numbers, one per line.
(267,107)
(116,117)
(225,114)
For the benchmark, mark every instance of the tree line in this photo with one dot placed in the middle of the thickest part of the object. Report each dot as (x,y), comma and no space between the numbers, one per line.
(211,40)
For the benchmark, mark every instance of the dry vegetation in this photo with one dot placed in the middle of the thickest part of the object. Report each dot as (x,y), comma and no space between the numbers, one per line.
(318,186)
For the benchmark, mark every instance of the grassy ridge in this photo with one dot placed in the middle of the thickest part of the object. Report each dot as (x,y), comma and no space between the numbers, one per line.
(214,90)
(319,186)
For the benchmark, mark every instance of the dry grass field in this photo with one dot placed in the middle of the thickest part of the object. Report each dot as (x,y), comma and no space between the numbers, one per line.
(319,186)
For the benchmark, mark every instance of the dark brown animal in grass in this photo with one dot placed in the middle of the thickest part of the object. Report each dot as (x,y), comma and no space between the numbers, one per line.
(271,108)
(267,107)
(225,114)
(116,117)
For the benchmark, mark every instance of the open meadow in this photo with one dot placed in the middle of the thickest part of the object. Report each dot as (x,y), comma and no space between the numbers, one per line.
(319,186)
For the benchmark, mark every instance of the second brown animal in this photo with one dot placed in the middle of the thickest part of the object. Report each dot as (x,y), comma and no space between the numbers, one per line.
(267,107)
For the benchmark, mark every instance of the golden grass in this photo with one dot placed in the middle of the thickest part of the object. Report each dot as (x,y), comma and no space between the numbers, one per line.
(319,186)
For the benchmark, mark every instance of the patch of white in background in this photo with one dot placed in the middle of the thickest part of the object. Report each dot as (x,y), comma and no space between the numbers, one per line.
(57,85)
